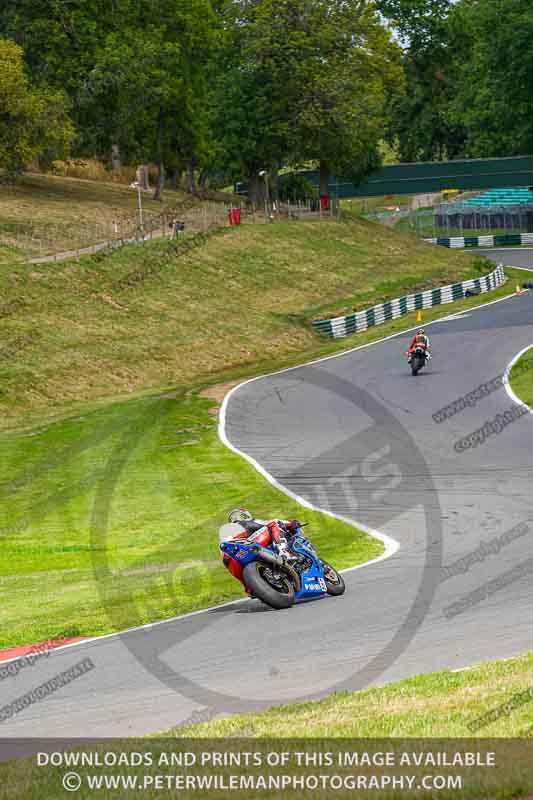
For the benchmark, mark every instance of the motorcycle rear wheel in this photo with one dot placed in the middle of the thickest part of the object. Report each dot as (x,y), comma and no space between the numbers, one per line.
(416,365)
(255,577)
(334,581)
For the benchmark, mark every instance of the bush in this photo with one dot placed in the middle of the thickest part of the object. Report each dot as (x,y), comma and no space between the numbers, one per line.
(294,186)
(91,169)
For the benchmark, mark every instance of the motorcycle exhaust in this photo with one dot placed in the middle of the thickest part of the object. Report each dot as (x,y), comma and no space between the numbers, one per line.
(277,561)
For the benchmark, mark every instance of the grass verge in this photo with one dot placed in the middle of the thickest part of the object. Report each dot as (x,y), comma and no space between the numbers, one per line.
(521,377)
(110,520)
(438,704)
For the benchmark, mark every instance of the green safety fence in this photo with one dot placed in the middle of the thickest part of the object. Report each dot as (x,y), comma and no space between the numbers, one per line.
(362,320)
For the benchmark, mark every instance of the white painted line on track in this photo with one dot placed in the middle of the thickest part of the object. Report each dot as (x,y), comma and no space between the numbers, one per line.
(465,669)
(517,249)
(94,639)
(391,545)
(453,317)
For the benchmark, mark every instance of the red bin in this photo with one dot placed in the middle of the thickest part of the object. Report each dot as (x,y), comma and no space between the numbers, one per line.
(234,216)
(324,202)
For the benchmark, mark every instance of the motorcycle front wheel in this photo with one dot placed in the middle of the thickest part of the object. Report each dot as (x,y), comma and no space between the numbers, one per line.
(274,590)
(334,581)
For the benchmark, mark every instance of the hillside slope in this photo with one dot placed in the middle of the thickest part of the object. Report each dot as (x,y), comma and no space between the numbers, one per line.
(45,214)
(153,316)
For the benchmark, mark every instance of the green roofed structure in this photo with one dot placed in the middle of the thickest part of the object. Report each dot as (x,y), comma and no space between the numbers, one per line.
(429,176)
(505,209)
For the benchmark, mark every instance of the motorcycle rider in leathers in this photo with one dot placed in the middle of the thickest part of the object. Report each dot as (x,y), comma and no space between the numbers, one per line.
(420,338)
(282,540)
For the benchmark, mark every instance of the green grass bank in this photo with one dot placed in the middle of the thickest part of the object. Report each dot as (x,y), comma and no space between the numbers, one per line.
(44,214)
(521,377)
(150,317)
(438,704)
(110,519)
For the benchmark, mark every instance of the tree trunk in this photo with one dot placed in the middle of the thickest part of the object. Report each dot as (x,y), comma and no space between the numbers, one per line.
(256,190)
(273,184)
(116,161)
(176,178)
(158,194)
(190,177)
(142,176)
(324,178)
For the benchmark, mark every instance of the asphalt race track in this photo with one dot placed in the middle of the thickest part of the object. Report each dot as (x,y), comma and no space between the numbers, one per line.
(353,434)
(511,256)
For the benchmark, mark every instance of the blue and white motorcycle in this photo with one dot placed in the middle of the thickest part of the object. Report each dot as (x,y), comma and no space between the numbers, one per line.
(277,578)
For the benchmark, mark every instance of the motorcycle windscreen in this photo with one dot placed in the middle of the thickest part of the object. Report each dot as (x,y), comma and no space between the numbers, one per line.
(229,531)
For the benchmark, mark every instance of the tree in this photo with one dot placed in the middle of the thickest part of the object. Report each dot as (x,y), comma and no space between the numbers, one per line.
(420,120)
(302,80)
(153,77)
(250,97)
(420,23)
(60,41)
(34,124)
(138,77)
(134,72)
(494,61)
(350,68)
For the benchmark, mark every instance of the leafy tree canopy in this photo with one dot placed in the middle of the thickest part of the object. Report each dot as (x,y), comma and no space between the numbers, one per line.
(494,64)
(303,80)
(34,124)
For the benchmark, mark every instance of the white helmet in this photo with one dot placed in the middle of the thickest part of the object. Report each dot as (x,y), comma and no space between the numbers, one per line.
(239,515)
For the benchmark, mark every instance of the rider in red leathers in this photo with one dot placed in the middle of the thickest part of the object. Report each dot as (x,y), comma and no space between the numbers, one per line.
(281,533)
(420,338)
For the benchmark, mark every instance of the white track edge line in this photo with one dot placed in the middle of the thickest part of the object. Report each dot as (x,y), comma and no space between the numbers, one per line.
(94,639)
(497,249)
(391,545)
(514,397)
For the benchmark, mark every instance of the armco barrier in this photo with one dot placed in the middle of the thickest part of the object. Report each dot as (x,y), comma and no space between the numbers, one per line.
(501,240)
(361,320)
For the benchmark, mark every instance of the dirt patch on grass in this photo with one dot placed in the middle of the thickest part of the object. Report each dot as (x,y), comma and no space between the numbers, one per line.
(218,393)
(112,302)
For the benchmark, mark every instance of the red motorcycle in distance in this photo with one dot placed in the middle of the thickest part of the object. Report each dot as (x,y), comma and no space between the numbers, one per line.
(418,358)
